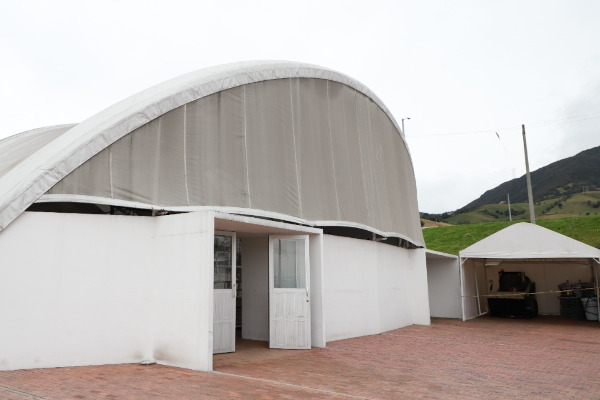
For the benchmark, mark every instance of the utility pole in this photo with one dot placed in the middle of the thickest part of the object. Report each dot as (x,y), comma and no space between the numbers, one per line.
(509,213)
(529,192)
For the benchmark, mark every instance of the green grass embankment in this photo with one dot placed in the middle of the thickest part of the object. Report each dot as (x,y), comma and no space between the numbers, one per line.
(452,239)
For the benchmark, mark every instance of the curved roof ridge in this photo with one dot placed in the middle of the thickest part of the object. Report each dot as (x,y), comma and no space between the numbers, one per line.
(16,148)
(33,176)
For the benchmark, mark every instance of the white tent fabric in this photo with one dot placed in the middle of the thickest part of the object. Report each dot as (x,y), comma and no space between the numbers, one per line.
(525,241)
(17,148)
(278,139)
(546,257)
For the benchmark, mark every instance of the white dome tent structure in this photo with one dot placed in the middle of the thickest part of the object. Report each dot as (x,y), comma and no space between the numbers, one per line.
(546,257)
(278,198)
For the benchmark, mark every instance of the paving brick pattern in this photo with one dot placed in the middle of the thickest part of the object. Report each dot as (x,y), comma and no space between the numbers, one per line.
(486,358)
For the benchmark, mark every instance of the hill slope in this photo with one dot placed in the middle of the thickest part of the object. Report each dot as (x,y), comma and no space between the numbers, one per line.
(561,178)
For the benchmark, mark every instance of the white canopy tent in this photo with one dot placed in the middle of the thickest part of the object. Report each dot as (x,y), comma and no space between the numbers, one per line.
(546,257)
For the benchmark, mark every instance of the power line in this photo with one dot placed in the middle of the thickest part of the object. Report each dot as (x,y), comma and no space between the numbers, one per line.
(576,118)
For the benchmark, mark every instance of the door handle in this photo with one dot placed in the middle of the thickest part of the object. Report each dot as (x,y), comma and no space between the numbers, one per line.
(233,291)
(307,294)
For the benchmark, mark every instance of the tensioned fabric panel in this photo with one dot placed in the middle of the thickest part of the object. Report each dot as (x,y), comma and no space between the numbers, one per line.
(347,160)
(308,148)
(215,134)
(134,163)
(314,155)
(272,167)
(373,163)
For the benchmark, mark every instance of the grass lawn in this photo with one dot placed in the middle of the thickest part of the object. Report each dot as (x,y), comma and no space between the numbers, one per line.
(452,239)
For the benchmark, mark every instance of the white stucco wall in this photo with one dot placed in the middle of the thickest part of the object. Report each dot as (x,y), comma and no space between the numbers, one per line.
(417,286)
(318,328)
(182,308)
(443,279)
(371,287)
(100,289)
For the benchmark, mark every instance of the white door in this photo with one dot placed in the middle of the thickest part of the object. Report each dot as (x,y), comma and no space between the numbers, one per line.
(224,293)
(471,302)
(289,292)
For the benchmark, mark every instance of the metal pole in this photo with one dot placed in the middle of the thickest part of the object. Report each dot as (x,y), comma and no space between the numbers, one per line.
(403,132)
(597,290)
(509,213)
(461,271)
(477,290)
(529,192)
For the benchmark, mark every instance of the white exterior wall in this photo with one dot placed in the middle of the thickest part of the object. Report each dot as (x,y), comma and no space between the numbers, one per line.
(318,336)
(371,287)
(417,286)
(443,278)
(182,307)
(100,289)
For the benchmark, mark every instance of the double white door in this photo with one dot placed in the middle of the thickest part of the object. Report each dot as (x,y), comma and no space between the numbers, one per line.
(289,292)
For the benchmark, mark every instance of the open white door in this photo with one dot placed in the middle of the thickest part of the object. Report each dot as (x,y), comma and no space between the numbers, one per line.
(470,292)
(289,292)
(224,293)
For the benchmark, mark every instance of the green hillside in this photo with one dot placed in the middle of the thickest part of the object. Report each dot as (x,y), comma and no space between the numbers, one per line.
(564,177)
(568,187)
(452,239)
(580,204)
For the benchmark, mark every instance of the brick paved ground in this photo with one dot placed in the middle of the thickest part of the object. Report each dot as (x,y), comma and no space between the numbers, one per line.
(486,358)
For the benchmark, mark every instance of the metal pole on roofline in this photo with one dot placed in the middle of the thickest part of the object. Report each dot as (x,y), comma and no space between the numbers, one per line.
(509,213)
(529,192)
(404,133)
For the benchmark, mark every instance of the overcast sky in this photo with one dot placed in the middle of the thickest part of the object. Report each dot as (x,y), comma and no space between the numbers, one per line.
(461,70)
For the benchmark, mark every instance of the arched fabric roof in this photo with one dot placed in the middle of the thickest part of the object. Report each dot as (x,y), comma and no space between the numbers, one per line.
(274,139)
(17,148)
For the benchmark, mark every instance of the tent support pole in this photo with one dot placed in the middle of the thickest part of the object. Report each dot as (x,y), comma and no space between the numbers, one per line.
(596,281)
(477,291)
(462,286)
(487,285)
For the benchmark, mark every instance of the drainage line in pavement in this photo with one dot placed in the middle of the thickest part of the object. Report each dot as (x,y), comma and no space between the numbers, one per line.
(296,386)
(21,393)
(513,294)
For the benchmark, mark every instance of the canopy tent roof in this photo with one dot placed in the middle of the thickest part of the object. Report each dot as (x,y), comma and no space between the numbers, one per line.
(338,154)
(528,241)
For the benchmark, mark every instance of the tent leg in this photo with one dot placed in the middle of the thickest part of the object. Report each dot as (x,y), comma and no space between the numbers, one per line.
(594,267)
(477,292)
(487,286)
(462,286)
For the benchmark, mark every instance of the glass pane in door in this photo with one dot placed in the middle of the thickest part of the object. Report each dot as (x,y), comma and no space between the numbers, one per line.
(222,262)
(289,263)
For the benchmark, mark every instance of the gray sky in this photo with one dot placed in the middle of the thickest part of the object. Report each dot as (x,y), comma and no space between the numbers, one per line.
(461,70)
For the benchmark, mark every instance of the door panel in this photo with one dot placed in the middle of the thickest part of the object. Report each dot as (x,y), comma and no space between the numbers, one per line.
(469,290)
(224,293)
(289,292)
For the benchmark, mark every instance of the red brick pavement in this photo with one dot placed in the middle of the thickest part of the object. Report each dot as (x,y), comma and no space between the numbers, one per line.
(486,358)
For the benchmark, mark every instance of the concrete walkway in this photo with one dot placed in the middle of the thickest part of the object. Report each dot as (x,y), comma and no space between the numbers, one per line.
(486,358)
